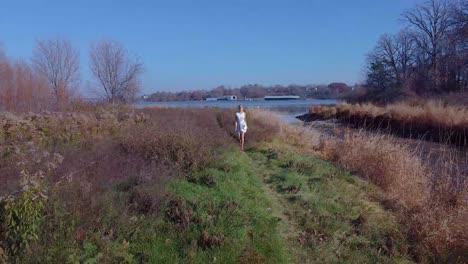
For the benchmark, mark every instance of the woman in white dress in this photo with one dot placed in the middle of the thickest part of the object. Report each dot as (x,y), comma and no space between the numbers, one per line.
(241,125)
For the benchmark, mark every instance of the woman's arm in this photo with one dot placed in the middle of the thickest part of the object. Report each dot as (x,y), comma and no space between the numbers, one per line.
(235,123)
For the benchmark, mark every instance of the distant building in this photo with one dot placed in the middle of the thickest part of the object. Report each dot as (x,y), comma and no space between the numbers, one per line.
(210,99)
(145,97)
(227,98)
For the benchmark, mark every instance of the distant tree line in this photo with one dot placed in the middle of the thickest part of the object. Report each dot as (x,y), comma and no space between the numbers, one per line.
(429,56)
(253,91)
(51,79)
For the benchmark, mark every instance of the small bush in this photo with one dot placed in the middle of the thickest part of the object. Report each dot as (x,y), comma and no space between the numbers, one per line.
(179,212)
(23,215)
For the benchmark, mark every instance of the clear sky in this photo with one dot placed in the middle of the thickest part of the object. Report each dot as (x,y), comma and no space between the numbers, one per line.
(200,44)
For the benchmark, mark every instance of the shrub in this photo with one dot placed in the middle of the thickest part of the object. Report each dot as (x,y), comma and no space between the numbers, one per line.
(189,138)
(23,215)
(179,212)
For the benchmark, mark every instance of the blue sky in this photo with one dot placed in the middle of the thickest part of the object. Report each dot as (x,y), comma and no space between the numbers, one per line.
(201,44)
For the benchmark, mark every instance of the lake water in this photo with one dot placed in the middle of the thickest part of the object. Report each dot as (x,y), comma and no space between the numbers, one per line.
(287,109)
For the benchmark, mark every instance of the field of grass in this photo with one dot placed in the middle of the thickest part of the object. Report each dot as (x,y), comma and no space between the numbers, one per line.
(118,185)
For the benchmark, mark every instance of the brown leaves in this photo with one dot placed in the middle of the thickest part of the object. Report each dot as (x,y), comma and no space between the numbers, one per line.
(179,213)
(208,241)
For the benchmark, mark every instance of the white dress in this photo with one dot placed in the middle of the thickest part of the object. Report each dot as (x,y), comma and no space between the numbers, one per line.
(241,124)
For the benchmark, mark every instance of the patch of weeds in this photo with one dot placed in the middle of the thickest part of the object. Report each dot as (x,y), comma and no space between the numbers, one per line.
(314,180)
(208,241)
(275,178)
(141,202)
(202,178)
(250,255)
(179,212)
(126,185)
(289,188)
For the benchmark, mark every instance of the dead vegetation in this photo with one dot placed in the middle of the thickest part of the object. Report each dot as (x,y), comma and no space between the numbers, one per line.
(433,214)
(429,120)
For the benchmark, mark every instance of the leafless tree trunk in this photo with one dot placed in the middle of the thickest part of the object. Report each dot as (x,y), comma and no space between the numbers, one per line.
(117,73)
(59,62)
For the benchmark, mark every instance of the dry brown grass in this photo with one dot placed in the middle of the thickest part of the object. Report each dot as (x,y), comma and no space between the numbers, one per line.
(432,212)
(429,119)
(298,136)
(394,168)
(260,126)
(188,137)
(431,112)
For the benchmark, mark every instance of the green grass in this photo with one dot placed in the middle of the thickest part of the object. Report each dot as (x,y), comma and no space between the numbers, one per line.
(273,205)
(267,205)
(337,219)
(330,218)
(235,207)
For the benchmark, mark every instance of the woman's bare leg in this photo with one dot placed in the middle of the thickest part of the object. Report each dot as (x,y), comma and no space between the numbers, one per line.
(240,138)
(242,141)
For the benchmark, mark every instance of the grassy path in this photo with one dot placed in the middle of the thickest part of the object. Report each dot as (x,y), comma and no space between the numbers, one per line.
(287,226)
(219,215)
(272,205)
(326,215)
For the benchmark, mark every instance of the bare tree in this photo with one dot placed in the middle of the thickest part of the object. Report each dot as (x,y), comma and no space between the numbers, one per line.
(405,53)
(117,73)
(431,22)
(429,56)
(459,21)
(387,50)
(457,51)
(59,63)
